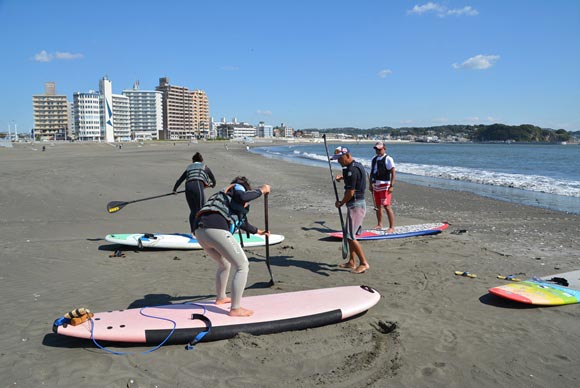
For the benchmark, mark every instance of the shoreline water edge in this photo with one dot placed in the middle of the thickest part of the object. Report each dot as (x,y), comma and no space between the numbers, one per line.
(518,178)
(430,328)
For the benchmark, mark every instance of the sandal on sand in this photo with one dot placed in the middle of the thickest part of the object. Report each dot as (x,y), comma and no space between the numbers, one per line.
(466,274)
(509,277)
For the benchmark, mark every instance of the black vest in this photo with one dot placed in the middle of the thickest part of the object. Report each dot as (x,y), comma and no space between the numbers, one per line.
(382,173)
(222,203)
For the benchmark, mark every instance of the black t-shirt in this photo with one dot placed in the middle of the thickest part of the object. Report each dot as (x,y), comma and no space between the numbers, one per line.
(355,179)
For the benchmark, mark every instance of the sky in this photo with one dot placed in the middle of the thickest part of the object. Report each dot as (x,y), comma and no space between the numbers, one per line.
(307,63)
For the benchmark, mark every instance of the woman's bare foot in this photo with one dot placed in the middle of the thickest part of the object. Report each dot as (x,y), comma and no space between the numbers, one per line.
(361,269)
(391,230)
(240,312)
(349,265)
(223,301)
(379,227)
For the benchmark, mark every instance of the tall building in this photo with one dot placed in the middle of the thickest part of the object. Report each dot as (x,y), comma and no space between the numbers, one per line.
(87,115)
(51,114)
(106,89)
(146,112)
(201,120)
(121,118)
(177,111)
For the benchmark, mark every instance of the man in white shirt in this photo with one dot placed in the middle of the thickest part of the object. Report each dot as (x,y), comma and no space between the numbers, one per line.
(381,181)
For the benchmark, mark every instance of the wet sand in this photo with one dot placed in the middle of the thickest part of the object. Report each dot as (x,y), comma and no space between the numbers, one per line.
(450,331)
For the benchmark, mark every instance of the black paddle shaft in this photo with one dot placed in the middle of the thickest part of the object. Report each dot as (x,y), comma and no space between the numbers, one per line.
(267,239)
(115,206)
(342,225)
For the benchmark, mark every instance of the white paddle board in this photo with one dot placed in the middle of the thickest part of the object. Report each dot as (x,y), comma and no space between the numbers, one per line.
(400,232)
(182,240)
(273,313)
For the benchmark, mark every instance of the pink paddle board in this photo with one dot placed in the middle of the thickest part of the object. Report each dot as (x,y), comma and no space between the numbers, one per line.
(273,313)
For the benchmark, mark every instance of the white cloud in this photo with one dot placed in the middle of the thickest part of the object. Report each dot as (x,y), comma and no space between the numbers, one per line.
(67,56)
(441,10)
(467,10)
(264,112)
(429,7)
(45,56)
(384,73)
(406,122)
(42,56)
(478,62)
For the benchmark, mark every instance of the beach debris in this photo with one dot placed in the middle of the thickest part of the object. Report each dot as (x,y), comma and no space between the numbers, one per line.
(513,278)
(117,253)
(387,327)
(466,274)
(459,231)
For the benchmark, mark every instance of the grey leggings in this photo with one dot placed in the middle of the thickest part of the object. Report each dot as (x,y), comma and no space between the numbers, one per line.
(221,246)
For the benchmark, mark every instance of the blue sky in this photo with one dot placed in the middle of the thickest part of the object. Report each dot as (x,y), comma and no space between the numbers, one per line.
(307,63)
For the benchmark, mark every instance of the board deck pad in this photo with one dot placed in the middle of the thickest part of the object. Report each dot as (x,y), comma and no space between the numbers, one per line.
(183,240)
(273,313)
(541,291)
(400,232)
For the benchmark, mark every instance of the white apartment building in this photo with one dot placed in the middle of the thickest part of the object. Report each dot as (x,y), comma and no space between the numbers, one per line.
(87,116)
(121,118)
(146,112)
(265,130)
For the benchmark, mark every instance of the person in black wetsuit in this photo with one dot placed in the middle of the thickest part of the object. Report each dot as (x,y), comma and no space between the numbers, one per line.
(198,176)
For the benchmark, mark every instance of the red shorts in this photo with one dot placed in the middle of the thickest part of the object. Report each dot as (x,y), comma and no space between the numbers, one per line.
(382,195)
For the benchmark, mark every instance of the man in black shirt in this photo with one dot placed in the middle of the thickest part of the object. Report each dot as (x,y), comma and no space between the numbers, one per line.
(353,174)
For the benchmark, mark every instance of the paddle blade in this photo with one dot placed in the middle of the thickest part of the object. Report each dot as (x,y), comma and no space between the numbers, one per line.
(115,206)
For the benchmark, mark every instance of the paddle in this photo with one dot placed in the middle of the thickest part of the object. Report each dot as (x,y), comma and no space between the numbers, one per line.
(115,206)
(267,240)
(342,226)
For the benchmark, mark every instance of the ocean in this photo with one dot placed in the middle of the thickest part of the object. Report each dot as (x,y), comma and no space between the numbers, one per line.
(541,175)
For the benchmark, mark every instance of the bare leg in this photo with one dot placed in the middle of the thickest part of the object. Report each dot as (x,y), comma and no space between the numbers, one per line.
(391,216)
(355,248)
(379,212)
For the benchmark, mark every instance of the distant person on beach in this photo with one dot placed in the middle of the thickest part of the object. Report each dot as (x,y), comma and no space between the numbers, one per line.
(354,176)
(217,221)
(198,176)
(381,181)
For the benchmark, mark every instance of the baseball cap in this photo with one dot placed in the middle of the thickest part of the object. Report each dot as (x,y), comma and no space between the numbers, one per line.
(379,145)
(338,152)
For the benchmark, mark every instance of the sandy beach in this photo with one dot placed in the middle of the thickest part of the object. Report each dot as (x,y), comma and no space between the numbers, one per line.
(450,332)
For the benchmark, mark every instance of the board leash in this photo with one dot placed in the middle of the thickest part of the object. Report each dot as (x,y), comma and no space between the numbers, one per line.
(190,345)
